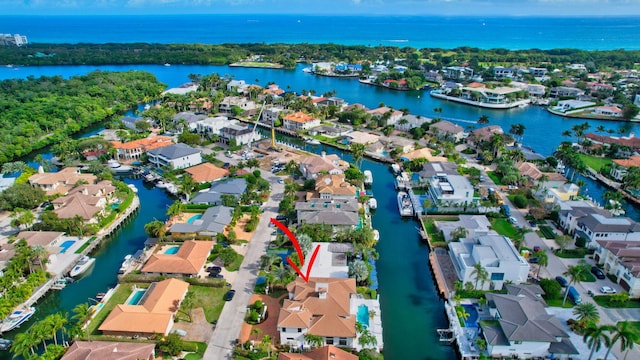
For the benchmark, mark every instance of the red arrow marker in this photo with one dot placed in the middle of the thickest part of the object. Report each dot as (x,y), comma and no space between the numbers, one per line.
(298,250)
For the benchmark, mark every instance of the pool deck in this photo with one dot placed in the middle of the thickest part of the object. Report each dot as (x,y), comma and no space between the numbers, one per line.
(465,336)
(375,323)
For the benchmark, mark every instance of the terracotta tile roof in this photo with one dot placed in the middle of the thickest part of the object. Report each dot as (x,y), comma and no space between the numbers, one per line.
(154,315)
(485,133)
(42,238)
(334,184)
(321,306)
(630,141)
(65,179)
(102,188)
(109,350)
(328,352)
(188,260)
(299,117)
(631,161)
(206,172)
(447,127)
(529,170)
(77,204)
(146,144)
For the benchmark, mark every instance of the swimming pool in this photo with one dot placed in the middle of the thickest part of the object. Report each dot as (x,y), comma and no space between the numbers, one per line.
(172,250)
(66,245)
(363,315)
(135,297)
(472,320)
(194,218)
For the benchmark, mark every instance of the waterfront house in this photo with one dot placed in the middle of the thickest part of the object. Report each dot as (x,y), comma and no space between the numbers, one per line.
(330,101)
(328,352)
(151,314)
(496,254)
(501,72)
(201,105)
(133,150)
(319,307)
(299,121)
(86,201)
(621,166)
(213,125)
(312,166)
(247,106)
(557,191)
(409,121)
(340,214)
(270,115)
(629,141)
(188,117)
(328,131)
(60,182)
(483,134)
(130,122)
(444,129)
(433,76)
(476,225)
(522,328)
(391,116)
(49,240)
(565,91)
(188,261)
(451,190)
(273,90)
(109,350)
(572,211)
(398,142)
(431,169)
(213,196)
(361,137)
(206,172)
(622,260)
(600,226)
(334,187)
(611,111)
(457,72)
(176,156)
(239,134)
(214,221)
(239,86)
(536,90)
(182,89)
(13,39)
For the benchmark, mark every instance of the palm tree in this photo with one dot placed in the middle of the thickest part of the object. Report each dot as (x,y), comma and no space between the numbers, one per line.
(269,260)
(595,336)
(480,274)
(586,313)
(156,229)
(23,345)
(280,274)
(517,130)
(81,313)
(175,209)
(543,260)
(313,341)
(484,119)
(367,339)
(357,152)
(575,273)
(623,332)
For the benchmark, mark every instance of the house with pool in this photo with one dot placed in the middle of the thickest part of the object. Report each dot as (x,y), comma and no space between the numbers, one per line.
(328,308)
(185,260)
(213,221)
(147,311)
(340,214)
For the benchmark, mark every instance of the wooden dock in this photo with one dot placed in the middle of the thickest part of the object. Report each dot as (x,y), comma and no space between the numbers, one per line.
(443,271)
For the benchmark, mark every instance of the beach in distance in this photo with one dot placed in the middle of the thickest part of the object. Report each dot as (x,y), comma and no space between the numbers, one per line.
(514,33)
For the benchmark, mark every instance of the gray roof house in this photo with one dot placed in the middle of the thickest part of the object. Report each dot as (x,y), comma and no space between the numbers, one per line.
(476,225)
(522,327)
(431,169)
(338,213)
(178,156)
(213,196)
(213,221)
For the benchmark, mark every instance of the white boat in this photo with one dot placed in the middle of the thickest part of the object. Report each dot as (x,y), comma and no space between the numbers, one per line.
(373,203)
(307,70)
(167,64)
(82,266)
(147,106)
(402,182)
(312,141)
(133,188)
(395,168)
(171,189)
(59,284)
(115,166)
(376,235)
(368,177)
(16,318)
(161,184)
(5,344)
(404,204)
(125,264)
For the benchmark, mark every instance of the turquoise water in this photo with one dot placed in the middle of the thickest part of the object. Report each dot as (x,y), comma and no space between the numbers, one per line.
(66,245)
(472,320)
(172,250)
(363,315)
(134,299)
(194,218)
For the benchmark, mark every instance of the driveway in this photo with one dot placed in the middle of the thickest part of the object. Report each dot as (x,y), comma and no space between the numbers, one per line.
(221,343)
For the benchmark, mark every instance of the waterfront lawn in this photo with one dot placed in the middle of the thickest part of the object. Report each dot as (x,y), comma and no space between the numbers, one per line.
(596,163)
(435,235)
(208,298)
(605,301)
(495,177)
(504,227)
(85,245)
(119,297)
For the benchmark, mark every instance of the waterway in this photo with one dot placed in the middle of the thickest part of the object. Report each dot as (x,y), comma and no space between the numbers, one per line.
(411,309)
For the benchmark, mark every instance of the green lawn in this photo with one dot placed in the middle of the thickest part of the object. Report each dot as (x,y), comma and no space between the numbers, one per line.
(119,297)
(604,301)
(596,163)
(208,298)
(558,303)
(234,266)
(202,347)
(496,179)
(504,227)
(635,325)
(432,231)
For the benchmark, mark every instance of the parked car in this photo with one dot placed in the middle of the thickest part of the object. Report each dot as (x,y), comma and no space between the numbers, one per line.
(536,249)
(512,187)
(597,272)
(574,295)
(534,260)
(562,281)
(513,220)
(280,181)
(607,290)
(229,295)
(215,275)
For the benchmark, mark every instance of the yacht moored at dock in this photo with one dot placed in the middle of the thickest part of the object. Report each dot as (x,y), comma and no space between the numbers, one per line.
(395,168)
(402,182)
(373,203)
(16,318)
(368,177)
(404,204)
(125,264)
(82,266)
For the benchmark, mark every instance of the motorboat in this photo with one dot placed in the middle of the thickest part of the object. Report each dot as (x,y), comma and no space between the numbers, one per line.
(5,344)
(82,266)
(59,284)
(395,168)
(125,264)
(311,141)
(16,318)
(161,184)
(373,203)
(404,204)
(368,177)
(376,235)
(133,188)
(115,166)
(402,181)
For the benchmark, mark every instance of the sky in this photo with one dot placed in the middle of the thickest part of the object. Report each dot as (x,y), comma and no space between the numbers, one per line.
(325,7)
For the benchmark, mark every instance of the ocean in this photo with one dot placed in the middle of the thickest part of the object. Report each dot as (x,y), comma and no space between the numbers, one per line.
(516,33)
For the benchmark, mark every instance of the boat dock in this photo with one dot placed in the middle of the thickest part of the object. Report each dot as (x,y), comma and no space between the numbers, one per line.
(443,271)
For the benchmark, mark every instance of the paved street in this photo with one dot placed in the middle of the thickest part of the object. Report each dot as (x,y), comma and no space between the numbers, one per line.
(220,346)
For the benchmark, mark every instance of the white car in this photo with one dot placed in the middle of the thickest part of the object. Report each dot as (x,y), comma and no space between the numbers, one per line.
(607,290)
